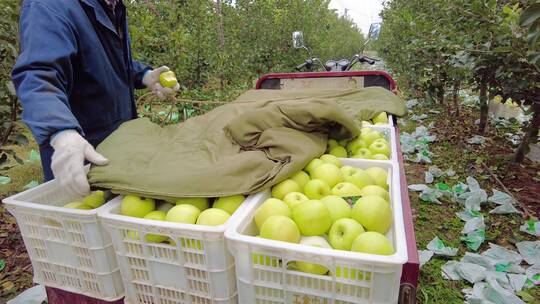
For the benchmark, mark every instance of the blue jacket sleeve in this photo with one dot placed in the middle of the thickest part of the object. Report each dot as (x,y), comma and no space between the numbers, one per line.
(43,73)
(139,70)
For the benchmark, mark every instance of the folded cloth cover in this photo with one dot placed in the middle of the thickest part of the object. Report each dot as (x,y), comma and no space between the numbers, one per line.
(248,145)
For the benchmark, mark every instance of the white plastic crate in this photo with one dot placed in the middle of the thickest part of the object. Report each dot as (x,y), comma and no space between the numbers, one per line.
(68,248)
(196,268)
(390,135)
(261,264)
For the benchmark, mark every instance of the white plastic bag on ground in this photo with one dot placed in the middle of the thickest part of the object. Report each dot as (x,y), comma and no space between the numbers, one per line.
(531,227)
(502,255)
(34,295)
(424,256)
(530,251)
(439,248)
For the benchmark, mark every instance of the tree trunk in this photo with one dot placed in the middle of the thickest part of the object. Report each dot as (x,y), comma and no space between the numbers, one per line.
(440,95)
(221,42)
(455,97)
(531,134)
(483,108)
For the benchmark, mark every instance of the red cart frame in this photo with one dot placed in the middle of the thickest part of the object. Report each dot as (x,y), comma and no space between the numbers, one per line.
(410,273)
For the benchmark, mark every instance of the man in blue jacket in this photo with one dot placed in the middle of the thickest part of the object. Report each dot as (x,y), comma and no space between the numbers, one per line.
(75,78)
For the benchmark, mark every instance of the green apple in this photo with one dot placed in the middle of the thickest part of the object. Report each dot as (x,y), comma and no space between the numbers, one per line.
(381,124)
(328,173)
(316,189)
(268,208)
(168,79)
(343,232)
(200,202)
(347,171)
(345,189)
(375,190)
(315,241)
(331,159)
(265,260)
(312,217)
(183,213)
(360,179)
(339,151)
(380,147)
(165,206)
(294,198)
(343,142)
(213,217)
(373,213)
(364,153)
(285,187)
(136,207)
(332,143)
(374,243)
(78,205)
(301,178)
(94,199)
(366,123)
(370,136)
(356,144)
(229,204)
(379,157)
(337,206)
(381,118)
(280,228)
(314,163)
(379,176)
(156,215)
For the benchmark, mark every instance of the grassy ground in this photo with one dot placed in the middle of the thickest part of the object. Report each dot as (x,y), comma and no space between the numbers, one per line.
(450,151)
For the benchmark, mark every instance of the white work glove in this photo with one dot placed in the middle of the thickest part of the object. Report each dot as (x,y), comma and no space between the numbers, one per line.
(151,81)
(70,152)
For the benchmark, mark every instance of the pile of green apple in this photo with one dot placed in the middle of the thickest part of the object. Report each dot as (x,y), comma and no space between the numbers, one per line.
(369,144)
(331,206)
(89,202)
(379,120)
(195,210)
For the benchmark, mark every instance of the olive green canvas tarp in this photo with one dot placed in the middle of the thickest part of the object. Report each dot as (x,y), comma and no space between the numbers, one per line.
(242,147)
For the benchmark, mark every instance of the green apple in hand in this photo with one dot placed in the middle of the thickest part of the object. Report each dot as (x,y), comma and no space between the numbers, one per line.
(78,205)
(156,215)
(373,213)
(328,173)
(229,204)
(379,176)
(312,217)
(345,189)
(94,199)
(315,241)
(380,147)
(360,179)
(316,189)
(364,153)
(200,202)
(212,217)
(375,190)
(337,206)
(374,243)
(268,208)
(301,178)
(343,232)
(285,187)
(280,228)
(314,163)
(294,198)
(331,159)
(183,213)
(136,207)
(339,151)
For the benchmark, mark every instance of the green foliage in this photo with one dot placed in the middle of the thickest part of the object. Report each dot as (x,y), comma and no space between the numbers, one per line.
(257,38)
